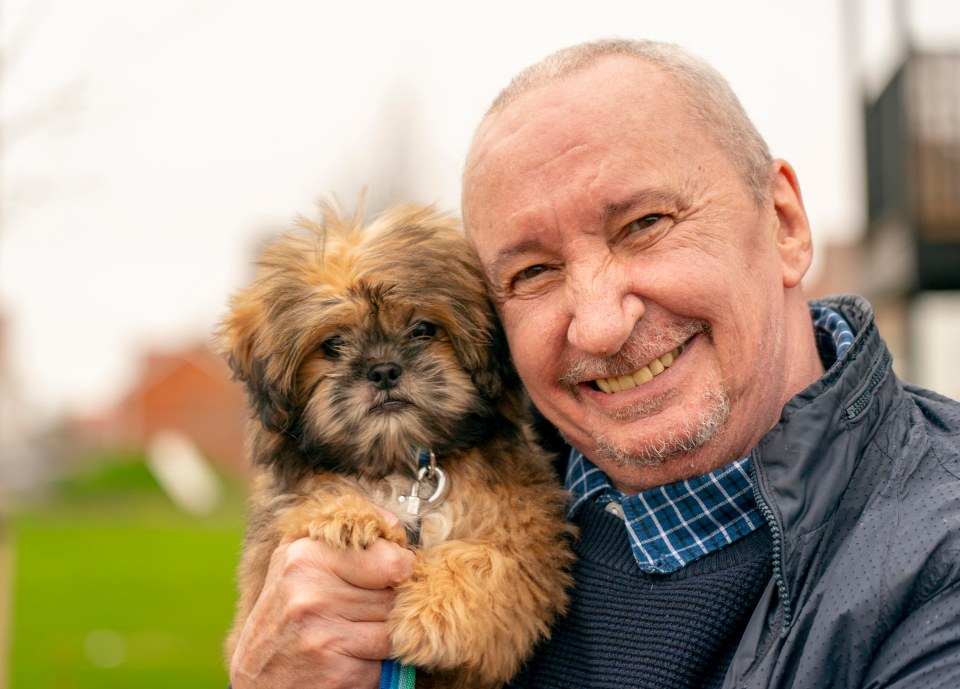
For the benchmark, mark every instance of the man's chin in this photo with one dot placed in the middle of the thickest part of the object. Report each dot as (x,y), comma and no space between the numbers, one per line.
(666,444)
(650,455)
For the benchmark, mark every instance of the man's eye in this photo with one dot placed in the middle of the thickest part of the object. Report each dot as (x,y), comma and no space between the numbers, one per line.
(530,273)
(332,347)
(645,222)
(423,330)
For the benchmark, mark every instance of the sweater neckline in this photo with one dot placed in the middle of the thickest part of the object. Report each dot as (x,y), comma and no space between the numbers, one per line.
(603,540)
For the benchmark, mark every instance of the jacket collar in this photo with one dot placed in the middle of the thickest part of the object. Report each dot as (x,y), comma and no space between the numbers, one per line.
(805,463)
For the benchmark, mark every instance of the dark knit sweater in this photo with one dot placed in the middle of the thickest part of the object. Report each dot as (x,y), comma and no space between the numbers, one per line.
(626,628)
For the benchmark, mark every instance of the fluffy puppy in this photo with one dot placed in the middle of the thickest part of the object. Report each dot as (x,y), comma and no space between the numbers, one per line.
(378,375)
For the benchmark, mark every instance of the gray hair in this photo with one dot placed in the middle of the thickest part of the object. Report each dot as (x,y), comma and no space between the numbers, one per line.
(712,100)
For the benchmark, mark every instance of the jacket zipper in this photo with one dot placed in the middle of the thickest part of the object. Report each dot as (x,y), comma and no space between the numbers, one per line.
(777,533)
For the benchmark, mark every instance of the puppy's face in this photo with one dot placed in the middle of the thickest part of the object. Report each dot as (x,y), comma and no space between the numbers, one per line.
(360,346)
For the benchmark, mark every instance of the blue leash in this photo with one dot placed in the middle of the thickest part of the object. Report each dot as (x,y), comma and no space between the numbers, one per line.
(393,673)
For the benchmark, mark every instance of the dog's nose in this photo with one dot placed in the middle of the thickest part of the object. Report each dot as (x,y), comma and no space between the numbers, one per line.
(384,376)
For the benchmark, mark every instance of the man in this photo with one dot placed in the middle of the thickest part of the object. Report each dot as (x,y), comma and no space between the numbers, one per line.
(761,502)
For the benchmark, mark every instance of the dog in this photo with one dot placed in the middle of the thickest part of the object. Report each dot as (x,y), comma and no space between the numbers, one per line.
(378,374)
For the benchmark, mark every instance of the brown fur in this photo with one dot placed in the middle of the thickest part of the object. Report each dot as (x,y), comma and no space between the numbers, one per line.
(493,560)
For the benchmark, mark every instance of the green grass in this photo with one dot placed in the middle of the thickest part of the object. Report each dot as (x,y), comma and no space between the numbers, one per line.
(114,588)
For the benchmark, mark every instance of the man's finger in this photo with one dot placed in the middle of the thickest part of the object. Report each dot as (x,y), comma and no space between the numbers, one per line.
(381,565)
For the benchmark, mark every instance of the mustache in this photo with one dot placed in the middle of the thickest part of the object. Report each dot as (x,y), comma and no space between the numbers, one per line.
(645,344)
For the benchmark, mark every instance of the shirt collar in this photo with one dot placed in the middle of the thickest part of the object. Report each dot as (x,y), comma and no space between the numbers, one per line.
(834,335)
(671,526)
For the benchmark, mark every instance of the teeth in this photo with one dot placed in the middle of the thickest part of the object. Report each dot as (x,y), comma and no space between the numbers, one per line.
(644,375)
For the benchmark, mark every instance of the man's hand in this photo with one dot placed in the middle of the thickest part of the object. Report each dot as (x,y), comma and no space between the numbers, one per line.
(321,617)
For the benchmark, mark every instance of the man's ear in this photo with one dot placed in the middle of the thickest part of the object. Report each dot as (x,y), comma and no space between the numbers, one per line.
(793,229)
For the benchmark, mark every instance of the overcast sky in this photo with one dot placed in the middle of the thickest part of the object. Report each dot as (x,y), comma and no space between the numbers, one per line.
(148,147)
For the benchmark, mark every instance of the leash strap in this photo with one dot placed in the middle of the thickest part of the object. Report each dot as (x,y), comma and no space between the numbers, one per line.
(424,459)
(394,675)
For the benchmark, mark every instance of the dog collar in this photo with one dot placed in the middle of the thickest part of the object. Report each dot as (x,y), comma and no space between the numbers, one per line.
(427,473)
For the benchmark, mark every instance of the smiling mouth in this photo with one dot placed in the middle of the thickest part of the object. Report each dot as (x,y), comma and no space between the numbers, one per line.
(640,376)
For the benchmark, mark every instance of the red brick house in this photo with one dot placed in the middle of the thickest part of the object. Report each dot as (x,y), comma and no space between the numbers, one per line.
(189,391)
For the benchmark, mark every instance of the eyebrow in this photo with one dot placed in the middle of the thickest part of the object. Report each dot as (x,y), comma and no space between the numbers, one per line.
(508,253)
(660,197)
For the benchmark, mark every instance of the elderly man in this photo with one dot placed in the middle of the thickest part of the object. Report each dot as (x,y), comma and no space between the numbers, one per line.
(761,502)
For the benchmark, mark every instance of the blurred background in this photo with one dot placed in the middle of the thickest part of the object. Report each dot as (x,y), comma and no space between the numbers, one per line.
(147,149)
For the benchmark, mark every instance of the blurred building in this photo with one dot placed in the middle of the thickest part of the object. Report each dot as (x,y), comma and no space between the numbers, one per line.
(189,392)
(913,177)
(910,262)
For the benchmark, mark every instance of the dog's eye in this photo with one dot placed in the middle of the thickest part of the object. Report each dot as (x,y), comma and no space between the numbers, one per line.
(331,348)
(423,330)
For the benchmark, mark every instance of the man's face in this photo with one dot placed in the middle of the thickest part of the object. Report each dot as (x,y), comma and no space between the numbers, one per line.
(640,285)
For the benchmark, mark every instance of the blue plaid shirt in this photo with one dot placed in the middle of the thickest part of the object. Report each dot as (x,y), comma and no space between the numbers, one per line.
(671,526)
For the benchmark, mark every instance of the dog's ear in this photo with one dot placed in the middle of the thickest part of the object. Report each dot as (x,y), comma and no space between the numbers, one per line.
(496,375)
(275,409)
(498,382)
(238,343)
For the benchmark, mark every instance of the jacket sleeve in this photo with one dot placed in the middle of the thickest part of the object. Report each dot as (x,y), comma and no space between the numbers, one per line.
(923,651)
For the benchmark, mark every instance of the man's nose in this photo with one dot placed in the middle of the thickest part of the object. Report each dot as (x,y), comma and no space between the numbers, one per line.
(604,312)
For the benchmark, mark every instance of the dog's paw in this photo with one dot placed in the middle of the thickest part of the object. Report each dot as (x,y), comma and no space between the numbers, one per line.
(459,612)
(347,521)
